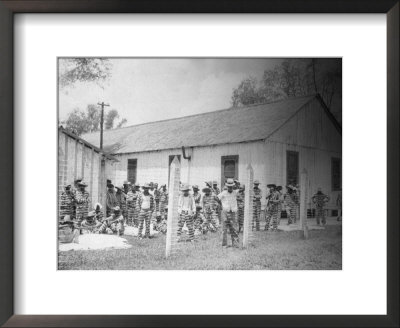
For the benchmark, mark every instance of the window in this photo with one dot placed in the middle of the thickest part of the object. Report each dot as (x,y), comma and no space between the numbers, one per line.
(292,167)
(170,159)
(229,168)
(132,170)
(336,166)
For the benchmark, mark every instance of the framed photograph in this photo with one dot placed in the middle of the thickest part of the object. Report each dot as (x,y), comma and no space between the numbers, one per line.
(199,164)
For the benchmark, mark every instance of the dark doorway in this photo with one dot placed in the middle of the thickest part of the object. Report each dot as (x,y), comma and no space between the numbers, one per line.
(132,170)
(229,168)
(292,167)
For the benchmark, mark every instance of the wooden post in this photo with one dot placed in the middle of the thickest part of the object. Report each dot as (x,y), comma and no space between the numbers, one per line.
(173,197)
(248,206)
(303,203)
(103,185)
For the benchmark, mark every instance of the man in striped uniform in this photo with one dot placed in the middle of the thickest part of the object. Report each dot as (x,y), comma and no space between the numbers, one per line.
(82,202)
(113,223)
(121,202)
(272,211)
(209,203)
(216,192)
(257,195)
(163,201)
(240,202)
(196,195)
(131,199)
(320,199)
(228,200)
(186,210)
(290,204)
(66,202)
(280,204)
(145,207)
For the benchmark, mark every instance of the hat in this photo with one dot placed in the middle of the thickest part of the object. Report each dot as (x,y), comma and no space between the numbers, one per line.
(126,183)
(290,187)
(146,185)
(198,207)
(108,181)
(91,214)
(110,185)
(116,209)
(78,180)
(82,183)
(98,205)
(195,187)
(67,186)
(206,189)
(279,188)
(163,185)
(229,182)
(120,188)
(271,185)
(185,187)
(214,182)
(256,182)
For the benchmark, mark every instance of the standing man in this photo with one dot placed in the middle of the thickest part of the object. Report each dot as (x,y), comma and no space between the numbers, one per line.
(215,188)
(82,202)
(196,195)
(240,202)
(131,199)
(112,200)
(209,203)
(280,204)
(257,195)
(320,199)
(66,203)
(229,210)
(290,204)
(145,207)
(339,205)
(163,201)
(186,210)
(121,202)
(272,212)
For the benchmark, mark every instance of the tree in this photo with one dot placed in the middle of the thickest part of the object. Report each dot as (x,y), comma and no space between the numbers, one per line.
(291,78)
(81,122)
(72,70)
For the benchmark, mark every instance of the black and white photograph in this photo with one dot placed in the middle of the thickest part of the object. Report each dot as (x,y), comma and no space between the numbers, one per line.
(199,163)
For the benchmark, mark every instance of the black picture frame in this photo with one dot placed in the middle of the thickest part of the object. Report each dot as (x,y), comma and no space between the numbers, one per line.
(11,7)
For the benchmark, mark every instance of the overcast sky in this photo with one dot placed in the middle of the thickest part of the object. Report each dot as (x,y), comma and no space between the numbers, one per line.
(145,90)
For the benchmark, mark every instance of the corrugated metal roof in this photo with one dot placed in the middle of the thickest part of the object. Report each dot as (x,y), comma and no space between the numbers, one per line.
(231,125)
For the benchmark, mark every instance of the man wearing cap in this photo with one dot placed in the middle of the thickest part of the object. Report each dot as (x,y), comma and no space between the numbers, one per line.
(66,202)
(186,210)
(228,214)
(121,201)
(145,207)
(82,202)
(209,203)
(257,195)
(320,199)
(113,223)
(111,201)
(196,195)
(163,201)
(90,222)
(272,208)
(290,203)
(240,202)
(215,188)
(131,198)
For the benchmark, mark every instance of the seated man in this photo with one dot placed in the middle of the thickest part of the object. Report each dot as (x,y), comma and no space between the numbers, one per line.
(114,223)
(67,232)
(90,222)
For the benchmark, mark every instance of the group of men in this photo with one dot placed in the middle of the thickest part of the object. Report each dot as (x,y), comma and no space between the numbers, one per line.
(146,205)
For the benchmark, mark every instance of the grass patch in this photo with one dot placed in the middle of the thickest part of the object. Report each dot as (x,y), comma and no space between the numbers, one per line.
(269,251)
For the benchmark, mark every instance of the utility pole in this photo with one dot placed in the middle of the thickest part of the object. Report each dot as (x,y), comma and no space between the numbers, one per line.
(102,104)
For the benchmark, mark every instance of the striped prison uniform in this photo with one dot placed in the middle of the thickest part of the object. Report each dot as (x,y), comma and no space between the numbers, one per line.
(209,204)
(163,203)
(280,206)
(272,211)
(240,203)
(121,202)
(157,201)
(290,204)
(145,207)
(66,204)
(131,199)
(199,223)
(82,204)
(186,209)
(319,199)
(113,224)
(257,194)
(197,198)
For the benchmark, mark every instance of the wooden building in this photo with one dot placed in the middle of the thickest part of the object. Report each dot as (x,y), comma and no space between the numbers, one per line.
(279,139)
(78,158)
